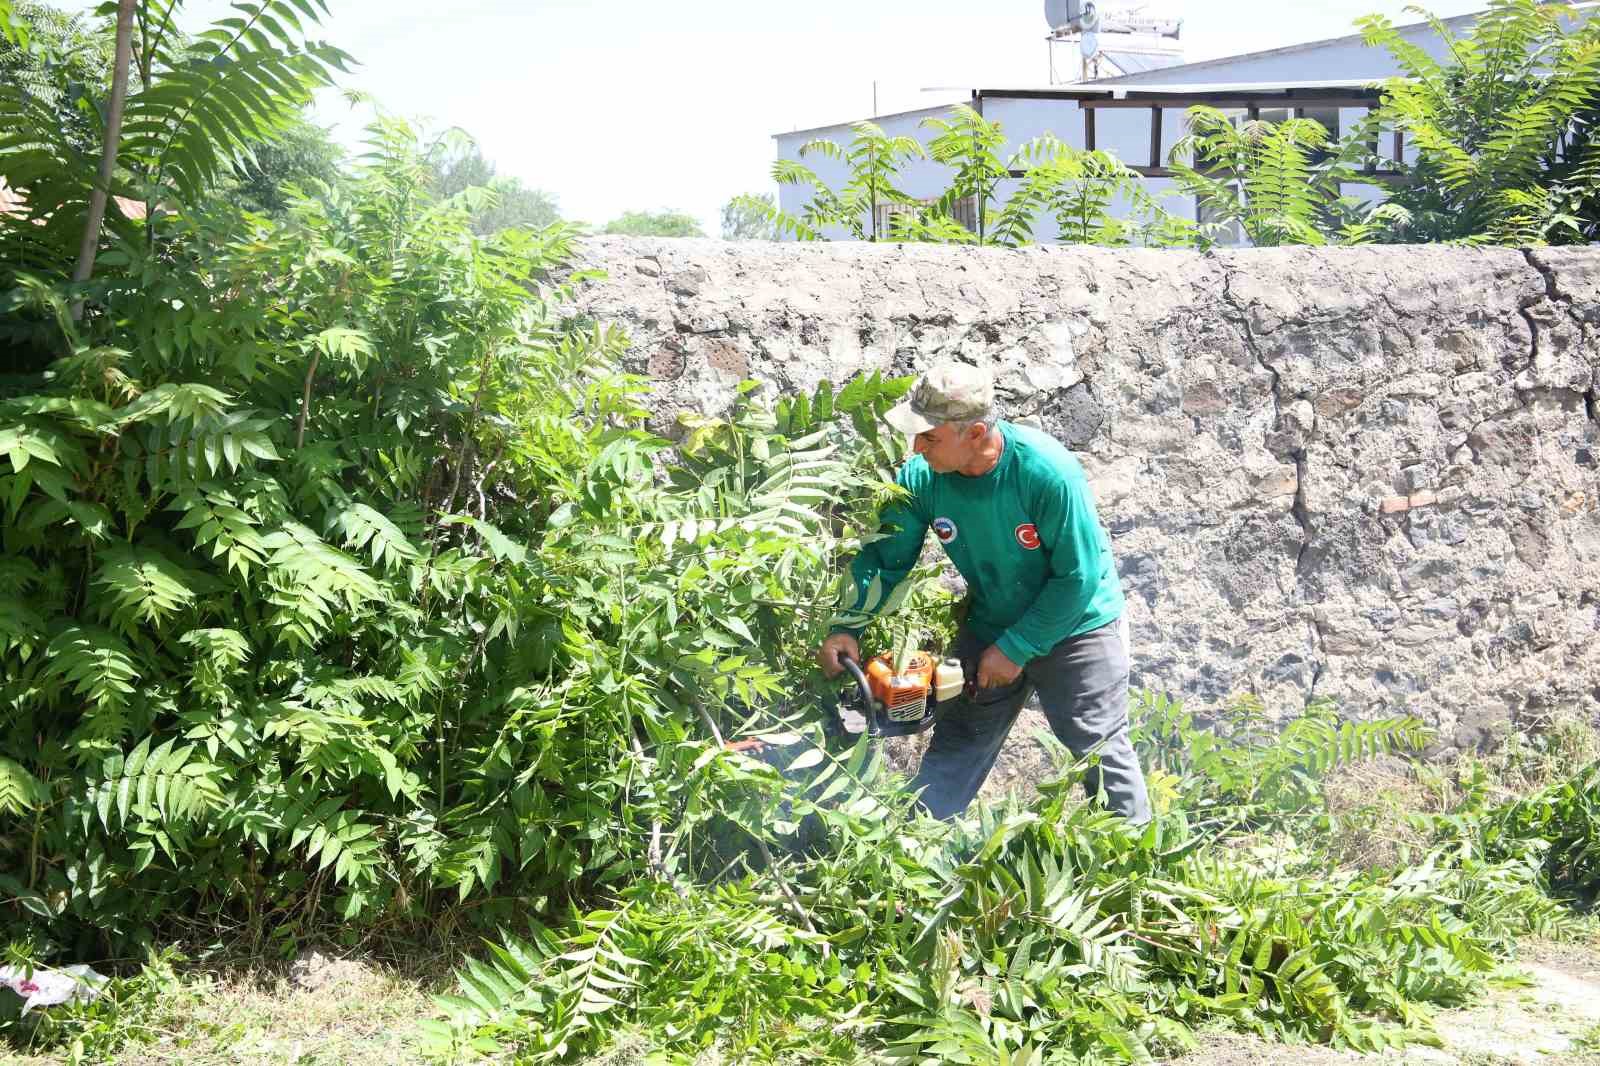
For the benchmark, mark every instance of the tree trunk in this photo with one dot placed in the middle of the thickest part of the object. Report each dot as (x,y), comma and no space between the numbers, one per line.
(108,153)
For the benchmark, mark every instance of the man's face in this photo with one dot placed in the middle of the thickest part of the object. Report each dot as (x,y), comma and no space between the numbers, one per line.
(946,449)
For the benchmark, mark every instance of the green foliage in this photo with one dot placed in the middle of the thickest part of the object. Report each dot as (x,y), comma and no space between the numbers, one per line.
(748,218)
(1051,933)
(196,107)
(1245,763)
(1079,190)
(873,159)
(969,145)
(299,160)
(654,224)
(340,579)
(1557,828)
(495,203)
(57,61)
(1279,182)
(1503,126)
(990,199)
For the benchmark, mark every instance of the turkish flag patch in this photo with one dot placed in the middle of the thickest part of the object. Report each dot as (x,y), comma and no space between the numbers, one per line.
(1028,536)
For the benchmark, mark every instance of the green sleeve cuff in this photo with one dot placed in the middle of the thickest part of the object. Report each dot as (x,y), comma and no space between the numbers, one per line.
(1016,649)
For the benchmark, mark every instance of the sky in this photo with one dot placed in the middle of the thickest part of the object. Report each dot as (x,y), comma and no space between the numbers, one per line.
(636,105)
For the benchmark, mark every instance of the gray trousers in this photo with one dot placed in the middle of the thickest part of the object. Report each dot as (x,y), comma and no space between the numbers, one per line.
(1083,687)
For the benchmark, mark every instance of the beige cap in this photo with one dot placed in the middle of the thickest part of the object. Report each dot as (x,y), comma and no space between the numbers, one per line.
(950,392)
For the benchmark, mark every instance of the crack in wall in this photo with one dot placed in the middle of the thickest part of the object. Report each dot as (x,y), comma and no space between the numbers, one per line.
(1318,656)
(1301,512)
(1557,298)
(1552,293)
(1523,306)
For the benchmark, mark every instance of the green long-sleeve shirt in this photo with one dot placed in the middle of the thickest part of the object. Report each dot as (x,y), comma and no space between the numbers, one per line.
(1025,536)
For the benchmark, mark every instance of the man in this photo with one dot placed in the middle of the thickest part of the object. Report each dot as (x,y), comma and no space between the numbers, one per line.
(1013,509)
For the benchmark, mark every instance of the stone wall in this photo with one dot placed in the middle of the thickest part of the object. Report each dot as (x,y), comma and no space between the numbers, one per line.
(1365,474)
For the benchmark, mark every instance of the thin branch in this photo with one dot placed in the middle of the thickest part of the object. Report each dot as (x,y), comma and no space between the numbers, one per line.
(108,151)
(482,479)
(468,445)
(305,401)
(658,865)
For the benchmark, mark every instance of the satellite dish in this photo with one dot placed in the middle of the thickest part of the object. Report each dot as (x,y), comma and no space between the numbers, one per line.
(1089,44)
(1062,13)
(1071,16)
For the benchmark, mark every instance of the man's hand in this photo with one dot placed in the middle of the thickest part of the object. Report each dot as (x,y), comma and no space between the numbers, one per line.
(832,648)
(996,670)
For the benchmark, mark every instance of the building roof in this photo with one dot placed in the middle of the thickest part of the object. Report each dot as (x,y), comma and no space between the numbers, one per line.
(1101,89)
(1288,49)
(932,110)
(1141,62)
(1586,9)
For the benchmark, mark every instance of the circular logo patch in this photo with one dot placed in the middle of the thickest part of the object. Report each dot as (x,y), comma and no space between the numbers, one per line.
(1028,536)
(944,529)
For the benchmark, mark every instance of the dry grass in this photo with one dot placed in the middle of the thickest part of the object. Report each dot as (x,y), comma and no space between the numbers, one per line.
(1372,800)
(321,1010)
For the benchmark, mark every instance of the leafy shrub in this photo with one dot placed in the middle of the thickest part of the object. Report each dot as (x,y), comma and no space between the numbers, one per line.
(1503,126)
(1278,182)
(1559,829)
(1051,933)
(991,199)
(339,579)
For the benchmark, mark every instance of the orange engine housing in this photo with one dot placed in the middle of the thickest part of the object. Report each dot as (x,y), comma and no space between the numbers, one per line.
(905,695)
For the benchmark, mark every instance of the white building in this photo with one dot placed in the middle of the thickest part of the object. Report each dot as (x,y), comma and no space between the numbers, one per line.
(1138,117)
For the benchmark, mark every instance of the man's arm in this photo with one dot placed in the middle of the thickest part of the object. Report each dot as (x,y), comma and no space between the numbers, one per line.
(888,559)
(1069,531)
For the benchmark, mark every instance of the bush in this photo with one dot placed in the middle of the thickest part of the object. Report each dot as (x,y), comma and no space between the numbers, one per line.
(1047,933)
(338,580)
(1503,126)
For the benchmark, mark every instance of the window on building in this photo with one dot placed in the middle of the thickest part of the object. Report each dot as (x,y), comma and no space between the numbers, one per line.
(883,218)
(965,213)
